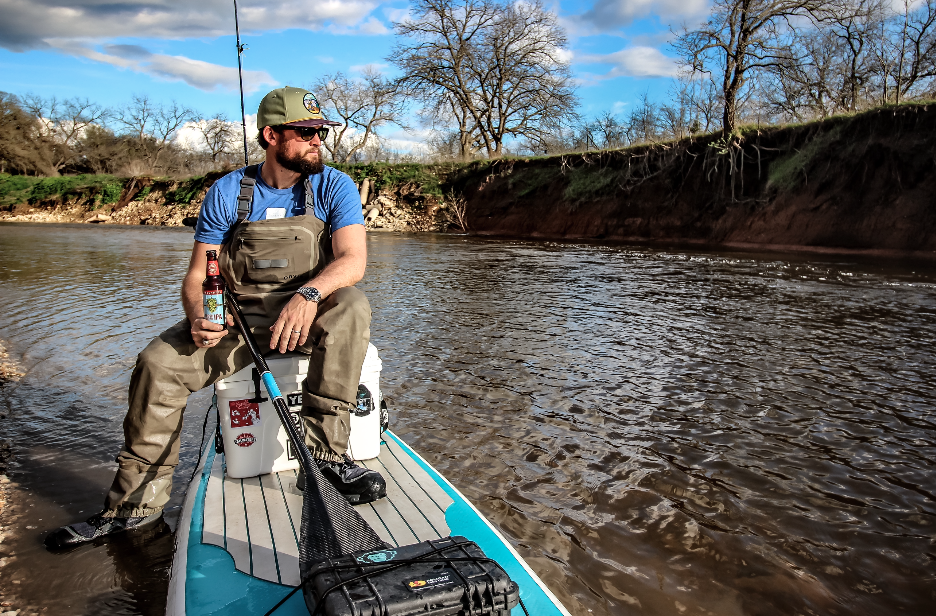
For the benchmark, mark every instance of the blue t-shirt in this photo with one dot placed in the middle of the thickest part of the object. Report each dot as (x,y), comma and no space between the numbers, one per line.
(337,203)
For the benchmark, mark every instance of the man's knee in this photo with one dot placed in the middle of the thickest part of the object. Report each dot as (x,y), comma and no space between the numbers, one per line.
(347,306)
(351,299)
(167,349)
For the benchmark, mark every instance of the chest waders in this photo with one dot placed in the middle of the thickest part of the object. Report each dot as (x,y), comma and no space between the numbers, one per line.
(266,261)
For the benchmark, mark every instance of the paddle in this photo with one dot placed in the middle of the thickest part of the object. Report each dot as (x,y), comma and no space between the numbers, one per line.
(330,525)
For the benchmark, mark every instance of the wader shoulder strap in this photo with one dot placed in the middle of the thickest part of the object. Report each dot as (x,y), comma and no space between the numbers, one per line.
(309,195)
(310,204)
(245,198)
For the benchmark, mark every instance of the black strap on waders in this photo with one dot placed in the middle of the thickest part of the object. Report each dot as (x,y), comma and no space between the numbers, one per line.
(245,198)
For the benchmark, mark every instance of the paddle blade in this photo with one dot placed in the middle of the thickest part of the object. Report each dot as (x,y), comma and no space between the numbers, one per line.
(330,525)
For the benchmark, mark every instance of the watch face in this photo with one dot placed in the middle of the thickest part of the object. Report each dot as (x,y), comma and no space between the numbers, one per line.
(310,293)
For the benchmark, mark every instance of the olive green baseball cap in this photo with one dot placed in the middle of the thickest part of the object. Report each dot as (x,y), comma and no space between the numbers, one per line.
(293,107)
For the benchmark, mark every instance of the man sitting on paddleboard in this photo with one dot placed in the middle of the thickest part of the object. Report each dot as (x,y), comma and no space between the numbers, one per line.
(295,295)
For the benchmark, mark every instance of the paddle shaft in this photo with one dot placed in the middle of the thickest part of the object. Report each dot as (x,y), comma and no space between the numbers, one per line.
(279,403)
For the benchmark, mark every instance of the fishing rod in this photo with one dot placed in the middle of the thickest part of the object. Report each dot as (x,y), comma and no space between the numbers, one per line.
(240,78)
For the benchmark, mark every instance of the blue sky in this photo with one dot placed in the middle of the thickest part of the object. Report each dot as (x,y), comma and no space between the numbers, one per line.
(109,50)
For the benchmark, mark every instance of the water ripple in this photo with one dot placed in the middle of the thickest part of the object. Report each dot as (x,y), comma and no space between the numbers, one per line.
(659,431)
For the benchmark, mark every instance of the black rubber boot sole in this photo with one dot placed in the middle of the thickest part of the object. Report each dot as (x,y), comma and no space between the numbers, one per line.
(66,537)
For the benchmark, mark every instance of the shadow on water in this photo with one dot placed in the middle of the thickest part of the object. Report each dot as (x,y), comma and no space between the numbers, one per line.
(658,431)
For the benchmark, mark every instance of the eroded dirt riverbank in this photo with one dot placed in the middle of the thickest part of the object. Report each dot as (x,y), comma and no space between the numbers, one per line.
(856,183)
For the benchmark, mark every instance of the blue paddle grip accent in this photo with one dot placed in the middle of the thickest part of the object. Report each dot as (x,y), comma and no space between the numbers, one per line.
(271,386)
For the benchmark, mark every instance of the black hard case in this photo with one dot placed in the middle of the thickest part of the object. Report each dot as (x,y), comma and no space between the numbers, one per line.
(437,586)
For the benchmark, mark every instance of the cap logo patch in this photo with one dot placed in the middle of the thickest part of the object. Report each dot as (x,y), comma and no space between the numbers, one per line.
(309,102)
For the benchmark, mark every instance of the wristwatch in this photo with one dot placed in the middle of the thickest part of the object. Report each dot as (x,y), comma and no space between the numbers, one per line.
(310,293)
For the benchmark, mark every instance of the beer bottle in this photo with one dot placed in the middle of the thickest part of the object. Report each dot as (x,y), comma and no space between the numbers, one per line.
(213,290)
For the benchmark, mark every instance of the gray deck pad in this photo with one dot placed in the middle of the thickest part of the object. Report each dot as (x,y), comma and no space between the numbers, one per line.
(257,519)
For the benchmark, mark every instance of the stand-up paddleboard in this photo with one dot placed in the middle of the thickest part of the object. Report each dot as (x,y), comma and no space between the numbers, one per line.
(237,539)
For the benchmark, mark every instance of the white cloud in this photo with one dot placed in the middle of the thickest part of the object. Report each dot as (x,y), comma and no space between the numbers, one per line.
(618,107)
(190,136)
(83,27)
(564,56)
(33,24)
(407,142)
(373,26)
(197,73)
(325,59)
(397,15)
(612,14)
(634,62)
(374,66)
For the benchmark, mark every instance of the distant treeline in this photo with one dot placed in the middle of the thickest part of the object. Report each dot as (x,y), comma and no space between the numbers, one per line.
(51,137)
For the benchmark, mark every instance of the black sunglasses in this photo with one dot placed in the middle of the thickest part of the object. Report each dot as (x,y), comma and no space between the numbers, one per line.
(308,133)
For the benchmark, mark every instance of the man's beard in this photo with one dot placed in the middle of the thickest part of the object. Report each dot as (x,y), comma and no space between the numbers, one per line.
(299,164)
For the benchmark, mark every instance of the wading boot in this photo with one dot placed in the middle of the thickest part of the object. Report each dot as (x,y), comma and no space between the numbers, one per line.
(94,527)
(357,484)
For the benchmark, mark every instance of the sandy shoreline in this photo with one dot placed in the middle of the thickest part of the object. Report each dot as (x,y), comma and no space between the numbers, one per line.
(10,372)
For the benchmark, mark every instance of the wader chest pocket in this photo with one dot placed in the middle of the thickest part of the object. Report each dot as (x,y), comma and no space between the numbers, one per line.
(270,259)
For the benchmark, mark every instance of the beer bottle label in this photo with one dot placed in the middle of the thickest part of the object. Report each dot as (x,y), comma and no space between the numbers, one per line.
(214,306)
(213,269)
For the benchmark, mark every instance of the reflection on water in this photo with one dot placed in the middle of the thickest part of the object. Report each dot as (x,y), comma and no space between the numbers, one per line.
(659,431)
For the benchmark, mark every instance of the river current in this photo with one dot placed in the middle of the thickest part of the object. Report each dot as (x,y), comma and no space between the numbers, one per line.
(658,430)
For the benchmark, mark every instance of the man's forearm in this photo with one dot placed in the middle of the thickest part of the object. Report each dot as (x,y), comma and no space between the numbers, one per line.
(343,272)
(192,301)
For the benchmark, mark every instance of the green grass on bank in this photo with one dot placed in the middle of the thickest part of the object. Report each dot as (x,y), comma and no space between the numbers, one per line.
(430,177)
(16,189)
(186,191)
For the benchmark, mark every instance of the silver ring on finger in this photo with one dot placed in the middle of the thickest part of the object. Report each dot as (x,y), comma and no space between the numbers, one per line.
(297,332)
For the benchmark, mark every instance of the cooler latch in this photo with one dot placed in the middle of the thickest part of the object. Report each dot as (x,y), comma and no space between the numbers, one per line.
(256,383)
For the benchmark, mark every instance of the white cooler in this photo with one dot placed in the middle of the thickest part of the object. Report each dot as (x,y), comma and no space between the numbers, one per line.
(255,443)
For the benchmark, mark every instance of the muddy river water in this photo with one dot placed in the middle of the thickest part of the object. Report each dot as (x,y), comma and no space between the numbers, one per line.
(658,430)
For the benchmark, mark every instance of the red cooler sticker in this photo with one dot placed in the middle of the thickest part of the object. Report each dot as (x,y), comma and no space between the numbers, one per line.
(244,413)
(245,440)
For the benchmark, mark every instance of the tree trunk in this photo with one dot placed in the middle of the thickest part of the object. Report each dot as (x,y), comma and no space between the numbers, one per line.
(729,118)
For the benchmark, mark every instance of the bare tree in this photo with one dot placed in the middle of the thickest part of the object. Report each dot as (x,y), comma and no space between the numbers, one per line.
(740,37)
(611,131)
(702,97)
(363,104)
(496,67)
(915,47)
(63,122)
(219,136)
(153,126)
(807,80)
(674,120)
(643,122)
(854,24)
